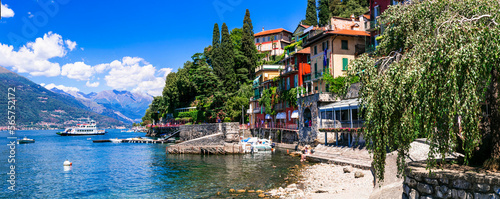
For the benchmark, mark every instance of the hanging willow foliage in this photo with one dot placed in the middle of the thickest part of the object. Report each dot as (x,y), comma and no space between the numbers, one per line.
(434,65)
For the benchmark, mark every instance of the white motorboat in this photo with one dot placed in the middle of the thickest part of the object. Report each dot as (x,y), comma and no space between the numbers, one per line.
(116,140)
(252,145)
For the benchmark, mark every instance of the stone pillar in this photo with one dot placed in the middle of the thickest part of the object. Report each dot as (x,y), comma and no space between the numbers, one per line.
(231,132)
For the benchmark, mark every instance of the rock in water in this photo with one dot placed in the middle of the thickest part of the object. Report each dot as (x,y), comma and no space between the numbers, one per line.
(232,190)
(358,174)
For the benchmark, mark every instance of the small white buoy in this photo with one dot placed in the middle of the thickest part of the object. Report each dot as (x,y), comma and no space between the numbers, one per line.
(67,163)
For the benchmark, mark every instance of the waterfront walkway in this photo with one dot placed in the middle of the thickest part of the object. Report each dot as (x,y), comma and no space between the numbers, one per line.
(355,157)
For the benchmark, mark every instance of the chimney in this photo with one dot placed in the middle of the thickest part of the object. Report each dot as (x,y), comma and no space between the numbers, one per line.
(262,28)
(353,17)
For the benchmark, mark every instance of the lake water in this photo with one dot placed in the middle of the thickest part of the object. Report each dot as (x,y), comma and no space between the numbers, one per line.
(131,170)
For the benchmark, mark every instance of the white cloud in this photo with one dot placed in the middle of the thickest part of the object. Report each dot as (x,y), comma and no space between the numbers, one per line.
(33,58)
(95,84)
(165,71)
(135,73)
(6,11)
(30,15)
(78,71)
(71,44)
(61,87)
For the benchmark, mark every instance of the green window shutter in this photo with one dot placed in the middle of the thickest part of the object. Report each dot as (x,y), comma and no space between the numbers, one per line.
(345,62)
(315,68)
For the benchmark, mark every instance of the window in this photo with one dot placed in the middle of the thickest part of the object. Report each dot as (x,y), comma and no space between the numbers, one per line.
(315,50)
(296,80)
(275,37)
(326,44)
(344,45)
(323,46)
(376,12)
(315,68)
(308,59)
(269,38)
(288,83)
(345,63)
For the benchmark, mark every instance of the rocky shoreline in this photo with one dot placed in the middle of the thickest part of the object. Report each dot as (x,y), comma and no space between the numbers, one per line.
(328,181)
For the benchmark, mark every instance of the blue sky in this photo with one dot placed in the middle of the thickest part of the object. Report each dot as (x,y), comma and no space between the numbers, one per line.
(123,45)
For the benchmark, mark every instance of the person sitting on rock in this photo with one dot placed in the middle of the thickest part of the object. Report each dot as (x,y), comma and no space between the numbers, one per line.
(306,152)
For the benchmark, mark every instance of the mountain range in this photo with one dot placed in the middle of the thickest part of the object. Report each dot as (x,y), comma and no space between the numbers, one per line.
(125,106)
(35,106)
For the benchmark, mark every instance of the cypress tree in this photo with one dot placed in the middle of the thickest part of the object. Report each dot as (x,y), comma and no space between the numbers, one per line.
(215,53)
(311,15)
(248,46)
(226,50)
(323,12)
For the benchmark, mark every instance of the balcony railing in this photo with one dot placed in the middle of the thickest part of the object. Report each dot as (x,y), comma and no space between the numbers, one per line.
(278,125)
(289,68)
(317,75)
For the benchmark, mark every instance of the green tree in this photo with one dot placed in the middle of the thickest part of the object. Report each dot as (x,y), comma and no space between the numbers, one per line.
(248,49)
(311,14)
(170,92)
(347,8)
(215,54)
(241,69)
(437,72)
(226,49)
(240,99)
(324,13)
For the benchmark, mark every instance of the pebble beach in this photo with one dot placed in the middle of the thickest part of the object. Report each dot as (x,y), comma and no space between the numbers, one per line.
(328,181)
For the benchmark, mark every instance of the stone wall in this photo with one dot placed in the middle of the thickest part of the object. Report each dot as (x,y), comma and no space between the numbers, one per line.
(419,183)
(309,134)
(157,131)
(214,138)
(229,129)
(212,144)
(189,132)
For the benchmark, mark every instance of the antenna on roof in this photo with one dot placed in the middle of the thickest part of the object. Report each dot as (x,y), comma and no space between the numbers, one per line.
(262,28)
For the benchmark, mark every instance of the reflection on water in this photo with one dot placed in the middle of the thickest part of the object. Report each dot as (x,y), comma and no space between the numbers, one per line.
(125,170)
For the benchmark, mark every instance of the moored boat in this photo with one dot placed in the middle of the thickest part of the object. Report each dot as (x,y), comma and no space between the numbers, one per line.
(252,145)
(25,140)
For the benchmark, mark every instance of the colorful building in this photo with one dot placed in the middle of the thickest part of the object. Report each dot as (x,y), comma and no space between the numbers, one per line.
(273,41)
(332,49)
(264,80)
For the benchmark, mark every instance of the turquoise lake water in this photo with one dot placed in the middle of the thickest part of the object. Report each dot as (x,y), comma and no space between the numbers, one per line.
(131,170)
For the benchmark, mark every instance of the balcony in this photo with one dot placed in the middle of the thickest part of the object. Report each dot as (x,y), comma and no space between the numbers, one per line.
(317,75)
(370,49)
(288,69)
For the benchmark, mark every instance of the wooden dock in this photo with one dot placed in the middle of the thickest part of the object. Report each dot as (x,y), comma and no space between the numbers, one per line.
(139,141)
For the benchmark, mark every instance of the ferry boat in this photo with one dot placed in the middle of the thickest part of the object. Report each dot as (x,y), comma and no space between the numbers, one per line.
(88,128)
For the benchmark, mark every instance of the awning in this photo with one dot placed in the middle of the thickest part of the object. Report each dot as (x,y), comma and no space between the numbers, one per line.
(268,117)
(281,116)
(343,104)
(256,80)
(295,114)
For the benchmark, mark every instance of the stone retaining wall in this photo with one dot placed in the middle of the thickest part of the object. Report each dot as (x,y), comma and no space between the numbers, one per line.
(229,129)
(215,138)
(419,183)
